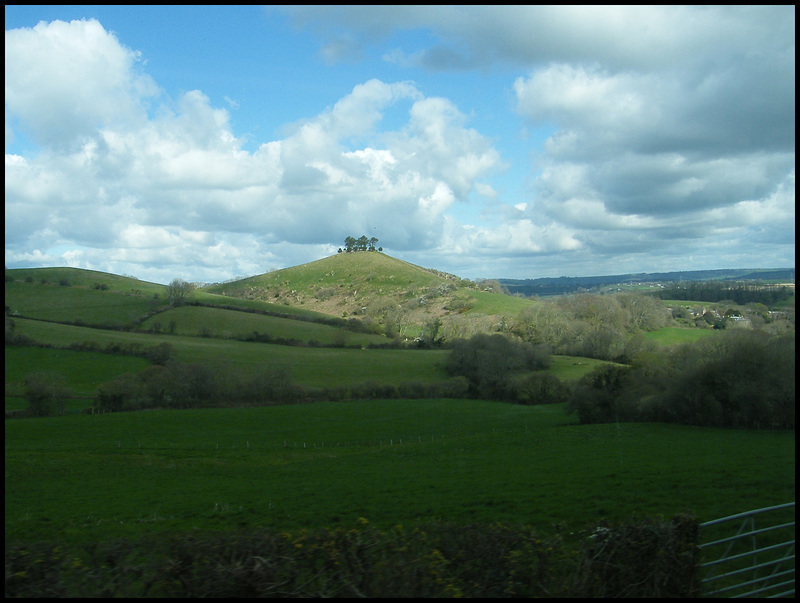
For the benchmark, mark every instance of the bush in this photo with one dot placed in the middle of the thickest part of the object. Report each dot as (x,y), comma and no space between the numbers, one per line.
(641,558)
(46,394)
(121,393)
(646,558)
(539,388)
(595,395)
(747,380)
(488,361)
(159,354)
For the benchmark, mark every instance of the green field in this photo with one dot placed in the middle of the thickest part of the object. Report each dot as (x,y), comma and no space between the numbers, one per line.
(226,324)
(90,478)
(95,477)
(78,305)
(82,371)
(486,302)
(313,367)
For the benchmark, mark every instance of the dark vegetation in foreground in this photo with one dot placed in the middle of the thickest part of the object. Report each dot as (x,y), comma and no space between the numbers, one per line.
(640,558)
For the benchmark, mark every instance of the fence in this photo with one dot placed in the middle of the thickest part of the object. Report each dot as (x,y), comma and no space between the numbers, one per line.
(756,561)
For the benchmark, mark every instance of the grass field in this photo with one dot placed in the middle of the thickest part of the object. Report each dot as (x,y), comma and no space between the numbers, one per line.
(82,371)
(314,367)
(96,477)
(221,323)
(492,303)
(90,478)
(77,305)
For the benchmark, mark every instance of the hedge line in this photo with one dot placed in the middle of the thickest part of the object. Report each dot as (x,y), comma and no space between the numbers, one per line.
(641,558)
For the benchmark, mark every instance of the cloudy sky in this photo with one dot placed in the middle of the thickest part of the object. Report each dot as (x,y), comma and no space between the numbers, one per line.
(208,143)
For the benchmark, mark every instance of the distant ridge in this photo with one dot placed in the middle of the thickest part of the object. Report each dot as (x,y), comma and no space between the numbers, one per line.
(570,284)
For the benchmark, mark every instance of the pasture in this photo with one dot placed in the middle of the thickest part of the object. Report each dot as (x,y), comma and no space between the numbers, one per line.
(86,478)
(312,367)
(82,371)
(226,324)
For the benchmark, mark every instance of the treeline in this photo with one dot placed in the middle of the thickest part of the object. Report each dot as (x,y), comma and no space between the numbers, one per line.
(740,379)
(606,327)
(740,293)
(192,385)
(570,284)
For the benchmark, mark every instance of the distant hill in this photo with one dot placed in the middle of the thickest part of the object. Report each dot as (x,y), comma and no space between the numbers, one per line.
(565,284)
(371,284)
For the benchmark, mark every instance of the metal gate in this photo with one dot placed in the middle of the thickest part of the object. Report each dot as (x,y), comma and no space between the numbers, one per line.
(756,561)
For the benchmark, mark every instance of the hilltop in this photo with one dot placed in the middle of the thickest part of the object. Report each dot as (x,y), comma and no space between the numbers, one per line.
(373,285)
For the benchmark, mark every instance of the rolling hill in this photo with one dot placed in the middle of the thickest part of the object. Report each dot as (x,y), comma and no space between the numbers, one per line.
(318,318)
(373,286)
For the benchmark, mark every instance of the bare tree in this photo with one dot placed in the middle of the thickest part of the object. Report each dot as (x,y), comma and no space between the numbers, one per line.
(178,290)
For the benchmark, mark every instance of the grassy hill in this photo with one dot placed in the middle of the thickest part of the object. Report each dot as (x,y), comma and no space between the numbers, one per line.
(375,286)
(317,308)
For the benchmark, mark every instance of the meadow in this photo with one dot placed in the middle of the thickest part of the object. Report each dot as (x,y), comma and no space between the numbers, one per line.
(88,478)
(310,366)
(85,478)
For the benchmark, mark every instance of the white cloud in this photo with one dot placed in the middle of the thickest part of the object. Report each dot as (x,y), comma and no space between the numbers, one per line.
(155,189)
(71,78)
(668,126)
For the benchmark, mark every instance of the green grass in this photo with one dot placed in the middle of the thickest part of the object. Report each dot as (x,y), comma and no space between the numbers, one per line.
(352,271)
(222,323)
(572,368)
(82,371)
(76,304)
(81,278)
(314,367)
(493,303)
(86,478)
(214,299)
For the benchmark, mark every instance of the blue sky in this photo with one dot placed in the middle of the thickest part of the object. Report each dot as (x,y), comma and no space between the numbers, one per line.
(212,142)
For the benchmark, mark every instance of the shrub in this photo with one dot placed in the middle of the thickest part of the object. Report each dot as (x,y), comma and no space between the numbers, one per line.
(741,378)
(539,388)
(159,354)
(644,558)
(640,558)
(594,397)
(747,380)
(46,394)
(121,393)
(488,361)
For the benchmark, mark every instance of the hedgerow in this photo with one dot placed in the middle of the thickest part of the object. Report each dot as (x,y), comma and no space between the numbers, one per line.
(641,558)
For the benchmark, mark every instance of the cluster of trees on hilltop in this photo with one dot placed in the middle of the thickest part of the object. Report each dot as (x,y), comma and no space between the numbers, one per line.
(362,243)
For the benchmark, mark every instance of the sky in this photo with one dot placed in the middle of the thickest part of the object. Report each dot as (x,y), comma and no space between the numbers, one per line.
(210,143)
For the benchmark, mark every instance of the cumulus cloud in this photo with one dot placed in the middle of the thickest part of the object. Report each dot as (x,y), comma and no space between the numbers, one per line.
(668,122)
(670,134)
(176,187)
(45,63)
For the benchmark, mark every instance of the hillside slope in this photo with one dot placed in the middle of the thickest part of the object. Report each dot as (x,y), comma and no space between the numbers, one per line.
(374,286)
